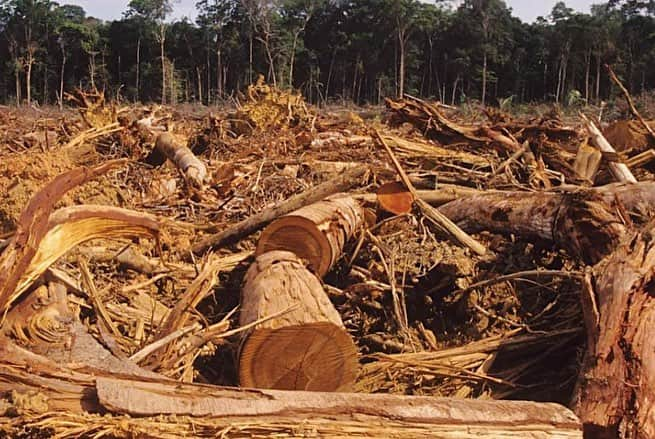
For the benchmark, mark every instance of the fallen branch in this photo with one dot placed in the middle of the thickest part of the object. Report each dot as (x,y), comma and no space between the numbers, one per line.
(619,170)
(430,212)
(341,183)
(192,168)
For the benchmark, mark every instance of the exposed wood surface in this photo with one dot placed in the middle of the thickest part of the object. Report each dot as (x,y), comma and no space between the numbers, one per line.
(316,233)
(434,215)
(307,347)
(620,170)
(343,182)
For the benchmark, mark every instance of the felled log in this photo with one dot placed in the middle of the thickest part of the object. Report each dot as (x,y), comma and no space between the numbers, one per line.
(582,222)
(192,168)
(316,233)
(340,183)
(304,345)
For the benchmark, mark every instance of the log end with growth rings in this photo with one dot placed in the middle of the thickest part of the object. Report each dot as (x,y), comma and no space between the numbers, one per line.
(305,347)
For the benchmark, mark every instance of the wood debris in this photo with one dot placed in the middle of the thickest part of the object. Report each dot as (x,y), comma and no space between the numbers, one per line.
(434,264)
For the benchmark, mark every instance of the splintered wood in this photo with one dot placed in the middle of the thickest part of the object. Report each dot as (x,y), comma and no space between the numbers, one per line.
(168,272)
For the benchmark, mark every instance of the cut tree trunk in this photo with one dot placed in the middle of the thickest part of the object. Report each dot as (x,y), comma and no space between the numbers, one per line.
(340,183)
(303,345)
(316,233)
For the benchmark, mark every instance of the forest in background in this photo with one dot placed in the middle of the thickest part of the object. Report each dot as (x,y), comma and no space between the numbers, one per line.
(331,50)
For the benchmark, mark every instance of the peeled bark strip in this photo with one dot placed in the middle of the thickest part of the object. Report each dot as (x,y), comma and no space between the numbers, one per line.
(193,169)
(316,233)
(340,183)
(306,348)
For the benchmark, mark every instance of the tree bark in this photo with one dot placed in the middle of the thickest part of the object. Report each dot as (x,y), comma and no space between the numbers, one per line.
(194,170)
(316,233)
(304,345)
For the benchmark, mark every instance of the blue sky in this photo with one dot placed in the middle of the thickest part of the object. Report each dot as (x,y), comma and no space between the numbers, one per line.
(527,10)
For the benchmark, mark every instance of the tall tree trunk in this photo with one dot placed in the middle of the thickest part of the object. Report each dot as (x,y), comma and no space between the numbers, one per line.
(61,79)
(219,72)
(598,78)
(138,68)
(293,58)
(587,74)
(28,76)
(18,86)
(484,78)
(199,78)
(329,77)
(401,73)
(250,57)
(162,42)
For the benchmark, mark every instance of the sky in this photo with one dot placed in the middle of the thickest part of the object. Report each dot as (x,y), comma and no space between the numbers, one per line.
(527,10)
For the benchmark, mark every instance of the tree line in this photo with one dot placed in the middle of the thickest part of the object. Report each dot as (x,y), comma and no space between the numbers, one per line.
(331,50)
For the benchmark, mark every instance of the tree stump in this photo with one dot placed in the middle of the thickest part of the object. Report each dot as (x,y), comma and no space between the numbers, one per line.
(316,233)
(305,348)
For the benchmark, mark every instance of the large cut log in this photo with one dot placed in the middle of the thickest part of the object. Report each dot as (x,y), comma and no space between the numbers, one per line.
(338,184)
(303,345)
(582,222)
(316,233)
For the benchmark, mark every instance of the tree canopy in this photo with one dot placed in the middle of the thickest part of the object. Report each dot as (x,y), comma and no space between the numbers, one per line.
(330,50)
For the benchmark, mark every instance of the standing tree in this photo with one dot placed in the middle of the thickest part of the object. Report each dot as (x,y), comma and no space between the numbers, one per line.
(25,29)
(154,11)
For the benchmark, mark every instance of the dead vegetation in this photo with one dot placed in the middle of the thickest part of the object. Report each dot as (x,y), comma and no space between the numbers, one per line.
(493,264)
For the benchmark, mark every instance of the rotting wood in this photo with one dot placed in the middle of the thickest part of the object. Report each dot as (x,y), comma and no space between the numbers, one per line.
(343,182)
(316,233)
(306,348)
